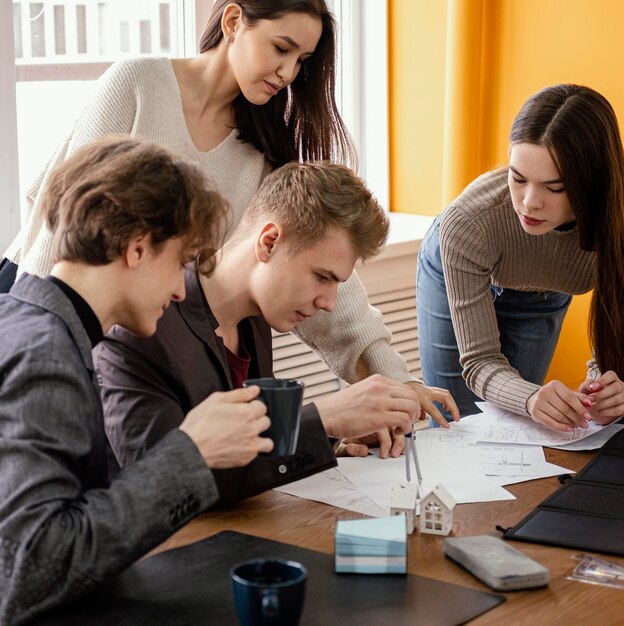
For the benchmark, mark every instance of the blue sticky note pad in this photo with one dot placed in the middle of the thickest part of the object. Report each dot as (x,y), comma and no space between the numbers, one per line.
(390,528)
(372,546)
(384,536)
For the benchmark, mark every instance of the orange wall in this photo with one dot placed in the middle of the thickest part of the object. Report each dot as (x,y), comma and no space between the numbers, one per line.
(460,70)
(416,74)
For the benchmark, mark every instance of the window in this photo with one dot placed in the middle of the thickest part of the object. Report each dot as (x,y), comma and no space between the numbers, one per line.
(362,85)
(58,47)
(9,190)
(62,46)
(48,61)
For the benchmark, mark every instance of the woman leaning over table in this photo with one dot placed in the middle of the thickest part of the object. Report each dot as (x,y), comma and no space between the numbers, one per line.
(259,94)
(496,270)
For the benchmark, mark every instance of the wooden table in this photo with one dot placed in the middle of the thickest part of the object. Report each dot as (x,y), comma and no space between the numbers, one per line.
(285,518)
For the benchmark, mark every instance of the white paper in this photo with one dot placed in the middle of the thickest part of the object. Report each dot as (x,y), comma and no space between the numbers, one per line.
(499,426)
(499,459)
(331,487)
(472,470)
(459,446)
(375,477)
(548,470)
(593,442)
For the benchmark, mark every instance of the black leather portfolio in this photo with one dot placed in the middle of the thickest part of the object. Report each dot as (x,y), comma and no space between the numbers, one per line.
(587,513)
(191,586)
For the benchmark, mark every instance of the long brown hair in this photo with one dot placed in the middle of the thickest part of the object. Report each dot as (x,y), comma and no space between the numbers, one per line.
(301,122)
(580,130)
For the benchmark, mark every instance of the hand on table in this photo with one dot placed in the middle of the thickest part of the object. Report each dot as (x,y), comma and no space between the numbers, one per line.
(226,428)
(358,446)
(389,444)
(606,397)
(556,406)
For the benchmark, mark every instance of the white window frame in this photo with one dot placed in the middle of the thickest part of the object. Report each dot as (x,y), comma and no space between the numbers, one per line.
(191,13)
(361,91)
(362,87)
(9,171)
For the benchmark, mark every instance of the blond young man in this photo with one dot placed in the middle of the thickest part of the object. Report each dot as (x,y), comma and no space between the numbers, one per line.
(302,235)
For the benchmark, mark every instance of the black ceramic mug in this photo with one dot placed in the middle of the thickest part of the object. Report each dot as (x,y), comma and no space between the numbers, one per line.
(283,398)
(268,592)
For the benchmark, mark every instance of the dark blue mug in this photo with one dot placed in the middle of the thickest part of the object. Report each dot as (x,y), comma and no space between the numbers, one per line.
(268,592)
(283,398)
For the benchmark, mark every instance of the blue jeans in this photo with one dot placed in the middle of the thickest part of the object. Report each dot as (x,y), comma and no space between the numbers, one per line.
(529,324)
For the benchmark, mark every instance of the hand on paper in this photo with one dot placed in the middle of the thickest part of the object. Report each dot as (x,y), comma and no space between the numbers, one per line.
(226,428)
(357,446)
(389,444)
(428,395)
(372,405)
(558,407)
(606,395)
(392,444)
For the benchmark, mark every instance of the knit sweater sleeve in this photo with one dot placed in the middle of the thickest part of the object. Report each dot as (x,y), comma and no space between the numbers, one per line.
(468,263)
(352,339)
(111,110)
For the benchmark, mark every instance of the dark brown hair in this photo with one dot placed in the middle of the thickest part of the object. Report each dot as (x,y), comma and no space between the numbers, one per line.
(300,122)
(580,130)
(308,199)
(117,188)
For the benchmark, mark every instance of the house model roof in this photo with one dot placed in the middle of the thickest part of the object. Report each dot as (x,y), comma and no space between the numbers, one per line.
(440,493)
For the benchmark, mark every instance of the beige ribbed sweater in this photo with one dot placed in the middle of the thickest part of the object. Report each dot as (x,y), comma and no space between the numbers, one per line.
(483,243)
(141,98)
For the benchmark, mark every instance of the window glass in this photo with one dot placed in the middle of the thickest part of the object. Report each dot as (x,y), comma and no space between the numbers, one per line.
(62,46)
(361,90)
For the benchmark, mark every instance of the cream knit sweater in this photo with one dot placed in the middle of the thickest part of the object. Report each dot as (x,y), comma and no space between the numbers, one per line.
(141,98)
(483,243)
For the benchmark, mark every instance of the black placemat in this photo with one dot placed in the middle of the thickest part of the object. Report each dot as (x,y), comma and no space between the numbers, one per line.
(190,586)
(587,513)
(570,529)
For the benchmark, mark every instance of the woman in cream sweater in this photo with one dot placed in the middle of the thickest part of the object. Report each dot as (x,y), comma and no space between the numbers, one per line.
(259,94)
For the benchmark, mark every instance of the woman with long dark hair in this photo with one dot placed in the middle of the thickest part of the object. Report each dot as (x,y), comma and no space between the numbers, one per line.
(259,94)
(497,269)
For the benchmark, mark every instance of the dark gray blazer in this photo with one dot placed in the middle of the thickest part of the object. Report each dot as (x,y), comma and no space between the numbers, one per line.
(63,525)
(150,384)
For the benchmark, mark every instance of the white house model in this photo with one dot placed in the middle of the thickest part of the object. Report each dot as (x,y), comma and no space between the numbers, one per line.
(403,499)
(436,511)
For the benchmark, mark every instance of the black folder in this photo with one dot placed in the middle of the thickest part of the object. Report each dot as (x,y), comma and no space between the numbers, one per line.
(587,513)
(191,586)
